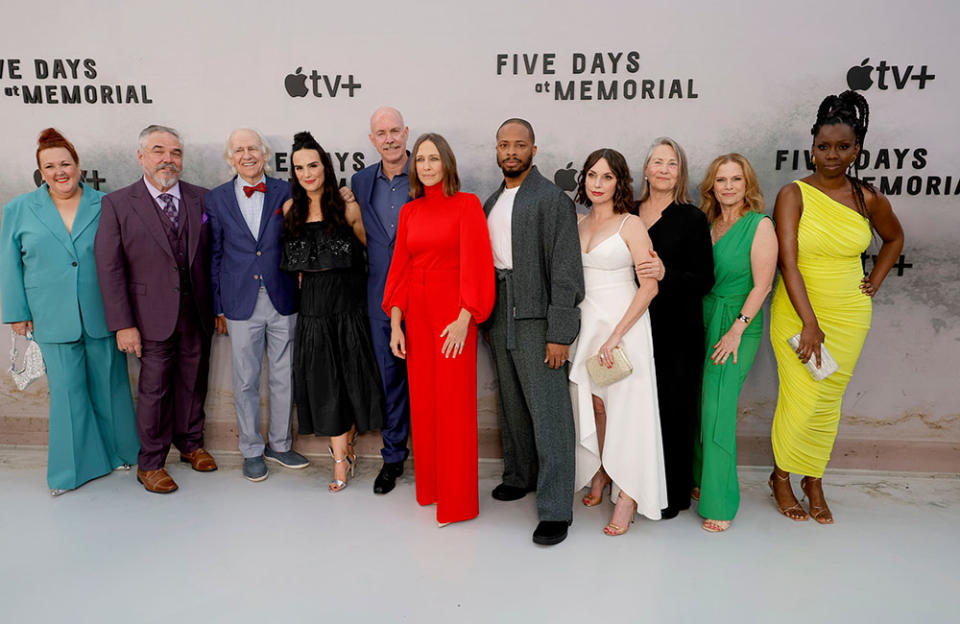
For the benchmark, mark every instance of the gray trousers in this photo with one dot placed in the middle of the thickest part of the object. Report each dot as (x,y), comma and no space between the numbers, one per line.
(265,328)
(536,418)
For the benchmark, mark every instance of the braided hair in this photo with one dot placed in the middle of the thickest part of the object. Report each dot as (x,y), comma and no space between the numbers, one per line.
(850,109)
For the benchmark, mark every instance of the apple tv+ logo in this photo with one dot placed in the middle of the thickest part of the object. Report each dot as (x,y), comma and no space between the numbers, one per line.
(566,178)
(296,84)
(859,76)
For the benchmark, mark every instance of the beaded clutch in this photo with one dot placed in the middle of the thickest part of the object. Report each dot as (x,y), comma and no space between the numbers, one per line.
(32,367)
(828,365)
(603,376)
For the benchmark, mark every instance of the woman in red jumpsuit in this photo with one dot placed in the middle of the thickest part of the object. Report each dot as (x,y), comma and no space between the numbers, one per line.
(441,285)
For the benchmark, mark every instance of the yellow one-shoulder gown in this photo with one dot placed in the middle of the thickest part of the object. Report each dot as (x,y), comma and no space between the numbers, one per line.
(830,239)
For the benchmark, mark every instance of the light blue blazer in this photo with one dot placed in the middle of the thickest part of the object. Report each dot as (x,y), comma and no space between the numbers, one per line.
(48,275)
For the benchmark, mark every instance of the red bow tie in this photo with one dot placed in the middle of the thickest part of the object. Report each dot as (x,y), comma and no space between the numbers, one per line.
(249,190)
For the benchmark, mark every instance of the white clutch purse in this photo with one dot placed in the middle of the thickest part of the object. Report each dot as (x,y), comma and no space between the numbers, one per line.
(32,368)
(603,376)
(828,365)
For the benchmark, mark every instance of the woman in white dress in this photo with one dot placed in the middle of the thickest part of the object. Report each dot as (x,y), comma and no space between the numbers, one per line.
(618,426)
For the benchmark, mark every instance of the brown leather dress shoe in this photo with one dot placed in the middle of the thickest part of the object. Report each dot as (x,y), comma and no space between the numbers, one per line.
(156,481)
(201,460)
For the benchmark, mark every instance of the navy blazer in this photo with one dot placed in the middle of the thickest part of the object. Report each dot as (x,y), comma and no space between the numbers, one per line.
(238,261)
(380,240)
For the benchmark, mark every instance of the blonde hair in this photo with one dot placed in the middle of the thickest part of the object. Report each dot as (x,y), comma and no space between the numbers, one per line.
(752,199)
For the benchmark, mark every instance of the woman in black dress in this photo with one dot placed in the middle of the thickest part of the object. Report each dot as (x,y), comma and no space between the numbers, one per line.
(683,263)
(336,382)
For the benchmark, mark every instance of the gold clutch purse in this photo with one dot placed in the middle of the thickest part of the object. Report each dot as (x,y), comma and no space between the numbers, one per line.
(603,376)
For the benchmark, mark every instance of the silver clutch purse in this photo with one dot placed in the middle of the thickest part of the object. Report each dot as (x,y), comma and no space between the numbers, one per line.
(603,376)
(32,368)
(828,365)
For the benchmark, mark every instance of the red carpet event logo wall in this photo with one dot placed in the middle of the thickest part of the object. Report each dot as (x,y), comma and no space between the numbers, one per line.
(321,85)
(893,170)
(605,76)
(348,163)
(49,81)
(860,78)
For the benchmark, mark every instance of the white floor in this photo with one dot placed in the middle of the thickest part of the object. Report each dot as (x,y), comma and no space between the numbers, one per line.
(222,549)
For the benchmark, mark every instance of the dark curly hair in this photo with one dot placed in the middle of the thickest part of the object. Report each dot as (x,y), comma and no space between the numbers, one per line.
(850,109)
(623,193)
(334,208)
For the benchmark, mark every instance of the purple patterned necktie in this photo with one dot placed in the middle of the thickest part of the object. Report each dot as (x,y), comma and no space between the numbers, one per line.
(169,208)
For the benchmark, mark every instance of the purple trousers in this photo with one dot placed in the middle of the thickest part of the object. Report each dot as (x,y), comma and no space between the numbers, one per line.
(172,389)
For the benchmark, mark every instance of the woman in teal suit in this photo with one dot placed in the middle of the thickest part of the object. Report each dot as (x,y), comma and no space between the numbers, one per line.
(48,285)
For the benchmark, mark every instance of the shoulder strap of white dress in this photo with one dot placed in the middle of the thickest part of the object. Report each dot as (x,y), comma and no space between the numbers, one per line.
(622,222)
(580,218)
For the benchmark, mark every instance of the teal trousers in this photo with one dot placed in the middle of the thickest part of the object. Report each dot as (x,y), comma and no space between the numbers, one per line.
(92,425)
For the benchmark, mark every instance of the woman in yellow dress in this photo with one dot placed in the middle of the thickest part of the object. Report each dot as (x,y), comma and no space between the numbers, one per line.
(823,226)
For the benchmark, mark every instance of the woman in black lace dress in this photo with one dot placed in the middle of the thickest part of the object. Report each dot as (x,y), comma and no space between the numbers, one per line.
(335,377)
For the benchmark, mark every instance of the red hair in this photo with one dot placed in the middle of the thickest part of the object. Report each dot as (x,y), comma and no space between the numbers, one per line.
(52,138)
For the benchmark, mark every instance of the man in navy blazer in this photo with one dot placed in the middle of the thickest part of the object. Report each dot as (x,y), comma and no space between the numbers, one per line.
(253,300)
(153,263)
(381,190)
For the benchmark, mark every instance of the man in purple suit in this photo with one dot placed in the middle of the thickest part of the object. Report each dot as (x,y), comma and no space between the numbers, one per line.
(254,299)
(153,262)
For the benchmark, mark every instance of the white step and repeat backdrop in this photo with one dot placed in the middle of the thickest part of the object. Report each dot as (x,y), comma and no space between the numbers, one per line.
(741,76)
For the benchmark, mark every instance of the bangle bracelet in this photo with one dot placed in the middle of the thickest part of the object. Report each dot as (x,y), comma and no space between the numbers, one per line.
(744,318)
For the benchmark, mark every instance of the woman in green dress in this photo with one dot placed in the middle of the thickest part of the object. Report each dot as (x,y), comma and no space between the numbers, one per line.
(745,262)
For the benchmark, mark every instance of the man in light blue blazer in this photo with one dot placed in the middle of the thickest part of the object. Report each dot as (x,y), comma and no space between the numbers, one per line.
(49,285)
(381,190)
(253,300)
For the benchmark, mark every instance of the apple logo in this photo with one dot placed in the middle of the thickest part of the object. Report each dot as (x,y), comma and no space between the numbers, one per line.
(858,76)
(296,84)
(566,178)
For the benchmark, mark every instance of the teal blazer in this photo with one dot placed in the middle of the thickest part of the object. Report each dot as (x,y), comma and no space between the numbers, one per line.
(48,275)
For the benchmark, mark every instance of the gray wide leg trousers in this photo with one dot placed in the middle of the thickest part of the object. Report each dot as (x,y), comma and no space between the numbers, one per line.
(536,418)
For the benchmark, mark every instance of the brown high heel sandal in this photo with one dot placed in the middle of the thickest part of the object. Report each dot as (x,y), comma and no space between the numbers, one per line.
(821,514)
(794,507)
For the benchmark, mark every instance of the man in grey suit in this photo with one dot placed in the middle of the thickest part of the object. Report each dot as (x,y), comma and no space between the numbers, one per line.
(253,299)
(536,252)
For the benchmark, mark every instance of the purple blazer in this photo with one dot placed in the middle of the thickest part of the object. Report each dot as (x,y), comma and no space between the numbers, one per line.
(138,274)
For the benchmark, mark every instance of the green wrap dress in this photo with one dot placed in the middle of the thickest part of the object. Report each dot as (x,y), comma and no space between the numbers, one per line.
(715,453)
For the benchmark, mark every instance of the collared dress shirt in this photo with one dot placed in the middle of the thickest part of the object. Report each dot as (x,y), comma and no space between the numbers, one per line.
(250,207)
